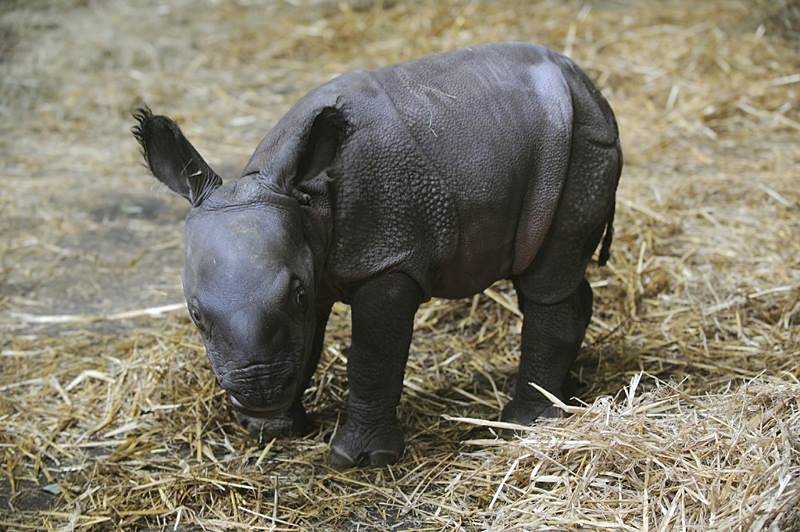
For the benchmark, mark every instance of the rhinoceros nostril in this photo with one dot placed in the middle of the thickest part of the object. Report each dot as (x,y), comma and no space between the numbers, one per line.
(235,402)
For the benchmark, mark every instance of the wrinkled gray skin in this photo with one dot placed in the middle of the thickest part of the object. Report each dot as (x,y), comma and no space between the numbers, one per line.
(382,189)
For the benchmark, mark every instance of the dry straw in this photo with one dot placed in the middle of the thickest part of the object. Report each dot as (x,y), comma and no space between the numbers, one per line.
(689,409)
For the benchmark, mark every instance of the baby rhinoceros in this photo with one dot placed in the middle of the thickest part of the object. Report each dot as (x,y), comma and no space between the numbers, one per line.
(382,189)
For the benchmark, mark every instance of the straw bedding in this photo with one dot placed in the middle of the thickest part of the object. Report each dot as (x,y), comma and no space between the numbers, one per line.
(688,411)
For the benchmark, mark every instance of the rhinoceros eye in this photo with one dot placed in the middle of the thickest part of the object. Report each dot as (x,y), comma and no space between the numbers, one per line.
(197,318)
(300,296)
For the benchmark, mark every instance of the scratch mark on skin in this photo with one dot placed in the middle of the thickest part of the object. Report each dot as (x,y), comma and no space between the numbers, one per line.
(438,91)
(430,122)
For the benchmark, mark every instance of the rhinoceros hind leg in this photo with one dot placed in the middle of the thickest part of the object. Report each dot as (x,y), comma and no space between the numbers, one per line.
(555,298)
(551,336)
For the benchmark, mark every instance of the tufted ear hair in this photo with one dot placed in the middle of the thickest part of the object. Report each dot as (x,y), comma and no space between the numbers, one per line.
(311,152)
(172,159)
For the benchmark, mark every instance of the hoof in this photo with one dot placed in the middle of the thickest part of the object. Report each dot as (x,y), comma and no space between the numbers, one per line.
(526,414)
(352,447)
(339,458)
(294,423)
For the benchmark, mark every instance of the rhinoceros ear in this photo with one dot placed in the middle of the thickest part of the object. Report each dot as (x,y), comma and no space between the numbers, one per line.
(172,159)
(321,144)
(308,154)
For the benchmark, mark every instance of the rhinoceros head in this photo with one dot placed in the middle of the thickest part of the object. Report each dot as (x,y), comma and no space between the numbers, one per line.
(249,278)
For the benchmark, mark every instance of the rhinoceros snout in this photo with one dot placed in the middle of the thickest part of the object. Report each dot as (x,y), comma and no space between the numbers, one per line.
(261,390)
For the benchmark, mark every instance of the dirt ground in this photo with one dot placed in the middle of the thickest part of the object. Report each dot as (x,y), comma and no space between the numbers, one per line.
(108,422)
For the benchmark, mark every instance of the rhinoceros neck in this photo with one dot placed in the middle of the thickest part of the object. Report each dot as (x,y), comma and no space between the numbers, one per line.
(318,224)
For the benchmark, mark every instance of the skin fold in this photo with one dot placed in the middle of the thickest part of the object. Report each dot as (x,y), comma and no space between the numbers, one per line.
(382,189)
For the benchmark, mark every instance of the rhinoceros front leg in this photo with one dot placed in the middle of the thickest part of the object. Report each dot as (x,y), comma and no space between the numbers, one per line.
(383,320)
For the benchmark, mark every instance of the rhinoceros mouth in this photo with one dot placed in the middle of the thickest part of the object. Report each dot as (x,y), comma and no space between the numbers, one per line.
(262,394)
(259,411)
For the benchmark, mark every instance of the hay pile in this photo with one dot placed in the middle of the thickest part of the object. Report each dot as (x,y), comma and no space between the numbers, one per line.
(691,413)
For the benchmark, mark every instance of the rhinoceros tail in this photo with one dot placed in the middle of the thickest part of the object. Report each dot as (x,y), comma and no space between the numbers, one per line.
(605,248)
